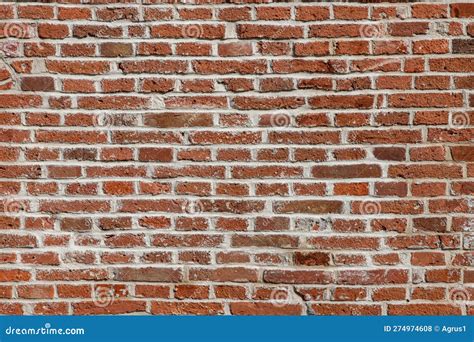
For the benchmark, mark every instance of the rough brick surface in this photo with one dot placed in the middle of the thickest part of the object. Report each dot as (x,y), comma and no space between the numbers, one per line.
(236,157)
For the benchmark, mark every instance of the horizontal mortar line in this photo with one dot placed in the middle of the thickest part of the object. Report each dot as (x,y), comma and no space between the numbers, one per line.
(254,76)
(215,41)
(371,253)
(216,250)
(302,3)
(236,132)
(191,76)
(293,21)
(230,215)
(211,215)
(229,110)
(370,198)
(250,147)
(241,129)
(283,22)
(255,252)
(204,282)
(256,163)
(218,266)
(178,197)
(142,111)
(244,180)
(214,215)
(262,267)
(292,76)
(233,215)
(307,93)
(215,111)
(254,57)
(251,180)
(224,233)
(265,145)
(204,77)
(302,246)
(326,286)
(351,59)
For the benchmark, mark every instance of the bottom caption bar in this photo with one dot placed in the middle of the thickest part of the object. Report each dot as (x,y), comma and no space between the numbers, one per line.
(232,328)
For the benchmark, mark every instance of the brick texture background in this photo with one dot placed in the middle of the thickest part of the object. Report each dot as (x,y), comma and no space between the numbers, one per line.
(236,158)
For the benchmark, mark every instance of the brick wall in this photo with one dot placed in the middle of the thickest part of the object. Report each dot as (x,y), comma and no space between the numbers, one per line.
(236,158)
